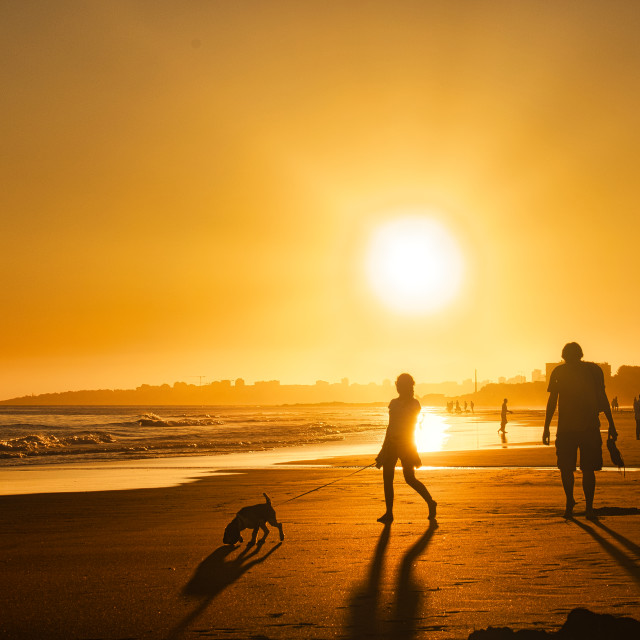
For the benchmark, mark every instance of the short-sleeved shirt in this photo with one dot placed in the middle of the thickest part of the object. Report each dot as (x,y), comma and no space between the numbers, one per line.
(403,414)
(581,395)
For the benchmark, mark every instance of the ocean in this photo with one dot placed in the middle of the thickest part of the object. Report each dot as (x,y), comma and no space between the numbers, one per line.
(37,435)
(48,435)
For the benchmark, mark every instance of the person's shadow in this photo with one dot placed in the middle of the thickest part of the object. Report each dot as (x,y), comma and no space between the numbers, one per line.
(214,574)
(363,608)
(409,591)
(627,563)
(365,620)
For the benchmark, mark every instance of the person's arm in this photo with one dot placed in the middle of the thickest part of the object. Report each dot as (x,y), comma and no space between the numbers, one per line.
(613,434)
(552,402)
(605,406)
(381,454)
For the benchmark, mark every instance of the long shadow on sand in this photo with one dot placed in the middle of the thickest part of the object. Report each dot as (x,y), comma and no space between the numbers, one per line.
(625,542)
(627,563)
(363,608)
(365,620)
(409,592)
(214,574)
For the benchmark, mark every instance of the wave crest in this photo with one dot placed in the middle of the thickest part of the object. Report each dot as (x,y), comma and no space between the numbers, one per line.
(153,420)
(38,443)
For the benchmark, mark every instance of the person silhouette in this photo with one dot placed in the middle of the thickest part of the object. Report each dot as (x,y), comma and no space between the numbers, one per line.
(503,416)
(577,388)
(636,414)
(399,442)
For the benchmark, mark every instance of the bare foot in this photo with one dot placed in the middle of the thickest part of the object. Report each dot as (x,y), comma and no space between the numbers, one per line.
(568,512)
(432,509)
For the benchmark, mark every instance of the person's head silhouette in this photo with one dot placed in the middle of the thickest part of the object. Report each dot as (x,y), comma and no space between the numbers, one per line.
(572,352)
(405,384)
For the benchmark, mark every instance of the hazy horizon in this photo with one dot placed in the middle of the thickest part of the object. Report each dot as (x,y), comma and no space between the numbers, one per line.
(302,191)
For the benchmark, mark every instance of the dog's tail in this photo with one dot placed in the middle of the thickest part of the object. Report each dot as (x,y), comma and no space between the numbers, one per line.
(267,498)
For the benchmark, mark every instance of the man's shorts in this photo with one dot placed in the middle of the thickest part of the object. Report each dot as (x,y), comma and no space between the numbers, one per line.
(590,445)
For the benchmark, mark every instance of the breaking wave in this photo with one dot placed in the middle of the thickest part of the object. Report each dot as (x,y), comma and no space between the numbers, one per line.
(152,420)
(38,444)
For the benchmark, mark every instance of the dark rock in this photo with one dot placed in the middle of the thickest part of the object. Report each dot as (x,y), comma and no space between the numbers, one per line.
(581,624)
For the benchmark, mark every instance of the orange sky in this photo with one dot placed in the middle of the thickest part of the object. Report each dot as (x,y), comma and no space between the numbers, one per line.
(188,187)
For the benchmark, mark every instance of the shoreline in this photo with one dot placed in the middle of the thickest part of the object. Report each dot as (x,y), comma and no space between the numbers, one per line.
(141,473)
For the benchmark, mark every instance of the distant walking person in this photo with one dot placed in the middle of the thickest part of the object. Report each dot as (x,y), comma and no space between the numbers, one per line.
(399,442)
(577,387)
(614,404)
(636,413)
(503,416)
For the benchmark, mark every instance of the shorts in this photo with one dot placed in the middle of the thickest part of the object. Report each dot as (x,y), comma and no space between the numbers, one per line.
(590,445)
(392,451)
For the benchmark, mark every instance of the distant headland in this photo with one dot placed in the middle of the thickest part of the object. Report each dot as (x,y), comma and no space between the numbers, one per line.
(624,385)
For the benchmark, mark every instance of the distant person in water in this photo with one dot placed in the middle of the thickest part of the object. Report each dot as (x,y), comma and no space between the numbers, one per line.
(458,409)
(636,413)
(614,404)
(399,442)
(577,387)
(472,405)
(503,416)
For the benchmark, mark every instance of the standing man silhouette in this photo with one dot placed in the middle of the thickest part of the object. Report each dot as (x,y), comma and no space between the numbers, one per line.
(503,416)
(399,442)
(577,387)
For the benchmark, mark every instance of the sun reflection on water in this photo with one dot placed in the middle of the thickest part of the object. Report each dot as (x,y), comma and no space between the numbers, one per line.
(431,431)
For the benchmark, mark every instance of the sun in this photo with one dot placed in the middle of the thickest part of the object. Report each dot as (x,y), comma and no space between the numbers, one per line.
(414,264)
(431,431)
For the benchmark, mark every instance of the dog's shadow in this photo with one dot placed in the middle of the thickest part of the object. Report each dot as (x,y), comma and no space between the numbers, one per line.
(217,571)
(214,574)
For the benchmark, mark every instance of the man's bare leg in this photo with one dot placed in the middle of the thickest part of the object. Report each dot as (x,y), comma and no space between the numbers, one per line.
(567,485)
(589,488)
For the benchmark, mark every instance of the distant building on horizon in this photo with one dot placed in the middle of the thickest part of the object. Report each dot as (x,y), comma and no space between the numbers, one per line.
(536,376)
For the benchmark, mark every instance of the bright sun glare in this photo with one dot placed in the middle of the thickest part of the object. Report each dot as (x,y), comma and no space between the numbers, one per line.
(431,431)
(414,264)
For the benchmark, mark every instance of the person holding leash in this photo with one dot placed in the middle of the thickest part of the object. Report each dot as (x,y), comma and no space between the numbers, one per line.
(399,443)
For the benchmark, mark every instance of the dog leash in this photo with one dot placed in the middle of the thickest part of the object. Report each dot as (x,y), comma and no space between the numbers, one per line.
(328,483)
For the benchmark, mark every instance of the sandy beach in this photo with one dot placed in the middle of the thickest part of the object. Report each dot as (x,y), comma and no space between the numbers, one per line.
(150,563)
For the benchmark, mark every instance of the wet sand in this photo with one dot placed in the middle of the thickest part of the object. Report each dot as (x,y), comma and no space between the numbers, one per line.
(149,563)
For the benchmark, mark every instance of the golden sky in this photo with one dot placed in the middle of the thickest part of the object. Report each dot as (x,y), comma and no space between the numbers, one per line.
(189,188)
